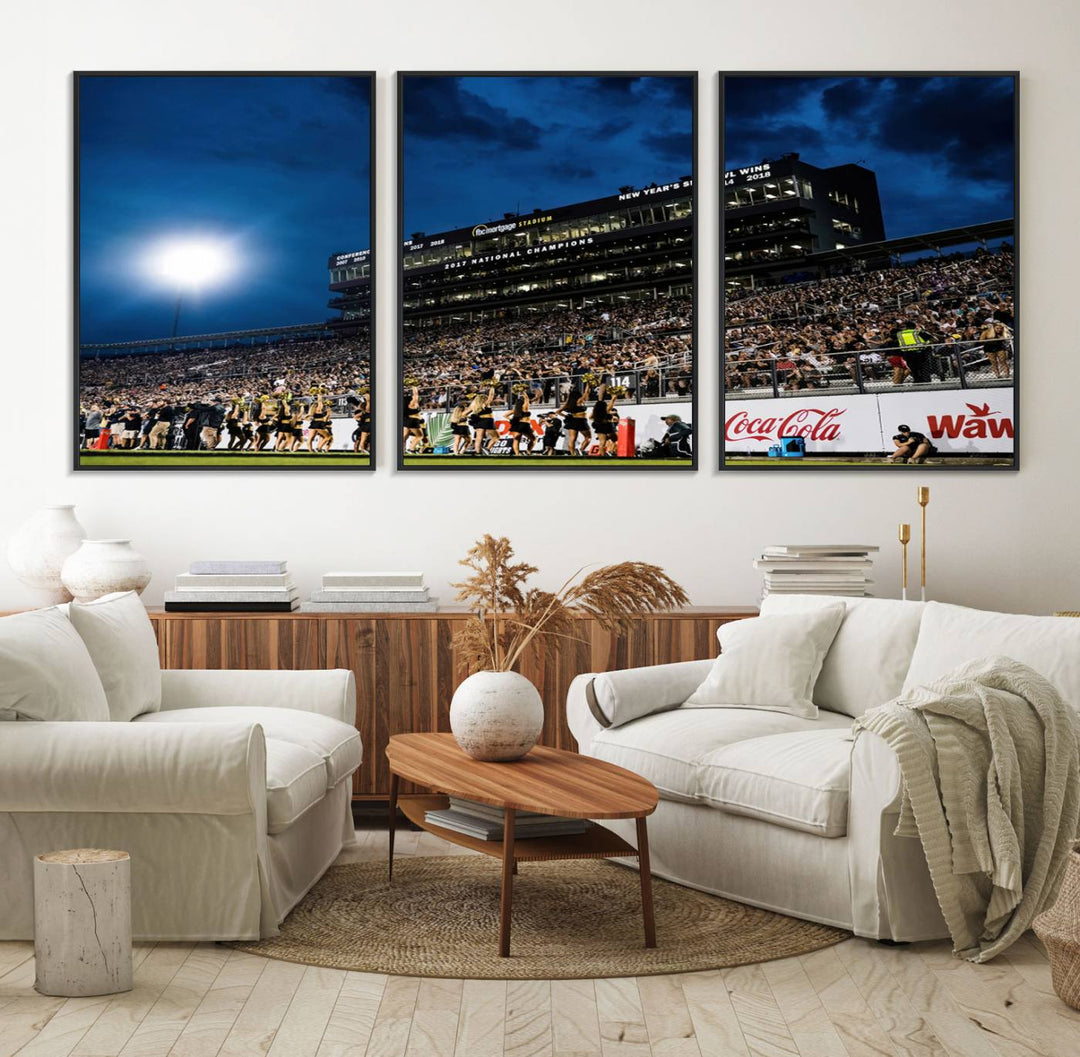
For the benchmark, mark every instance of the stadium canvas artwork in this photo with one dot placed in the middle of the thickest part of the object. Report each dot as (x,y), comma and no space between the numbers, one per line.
(547,271)
(869,270)
(223,271)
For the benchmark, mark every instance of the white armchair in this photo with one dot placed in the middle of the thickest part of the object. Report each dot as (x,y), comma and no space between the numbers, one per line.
(232,799)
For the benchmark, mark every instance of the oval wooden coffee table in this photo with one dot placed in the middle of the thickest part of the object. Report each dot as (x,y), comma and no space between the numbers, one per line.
(548,781)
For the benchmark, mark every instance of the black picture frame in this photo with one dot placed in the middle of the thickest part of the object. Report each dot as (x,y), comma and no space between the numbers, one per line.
(78,77)
(780,465)
(516,465)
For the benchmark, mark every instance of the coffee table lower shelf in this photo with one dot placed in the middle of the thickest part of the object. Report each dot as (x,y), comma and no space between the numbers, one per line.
(596,842)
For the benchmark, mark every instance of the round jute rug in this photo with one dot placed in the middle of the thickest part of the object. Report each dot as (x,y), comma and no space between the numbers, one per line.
(574,918)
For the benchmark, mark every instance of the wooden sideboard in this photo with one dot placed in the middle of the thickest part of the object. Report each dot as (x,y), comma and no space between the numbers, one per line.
(406,668)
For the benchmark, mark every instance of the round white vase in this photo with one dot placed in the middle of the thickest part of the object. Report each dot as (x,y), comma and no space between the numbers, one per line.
(100,567)
(37,551)
(496,715)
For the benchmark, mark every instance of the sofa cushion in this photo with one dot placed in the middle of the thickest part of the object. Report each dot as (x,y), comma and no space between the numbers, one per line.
(121,642)
(631,693)
(295,780)
(770,662)
(953,635)
(336,743)
(870,656)
(799,780)
(668,748)
(45,670)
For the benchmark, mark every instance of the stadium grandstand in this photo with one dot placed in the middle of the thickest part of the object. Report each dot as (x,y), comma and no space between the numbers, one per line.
(300,389)
(599,293)
(817,298)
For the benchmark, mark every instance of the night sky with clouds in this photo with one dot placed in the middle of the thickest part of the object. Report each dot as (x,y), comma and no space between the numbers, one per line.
(478,147)
(276,168)
(942,147)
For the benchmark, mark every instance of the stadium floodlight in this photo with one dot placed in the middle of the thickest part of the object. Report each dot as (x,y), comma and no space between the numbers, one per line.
(189,264)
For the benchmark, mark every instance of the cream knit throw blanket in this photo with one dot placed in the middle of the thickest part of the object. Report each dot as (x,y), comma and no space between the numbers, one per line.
(990,761)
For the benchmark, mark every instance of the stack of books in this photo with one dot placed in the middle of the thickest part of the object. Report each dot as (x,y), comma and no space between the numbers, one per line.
(234,587)
(371,593)
(486,822)
(817,569)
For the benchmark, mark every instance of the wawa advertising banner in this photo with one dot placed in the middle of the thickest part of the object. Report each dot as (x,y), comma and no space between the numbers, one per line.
(958,421)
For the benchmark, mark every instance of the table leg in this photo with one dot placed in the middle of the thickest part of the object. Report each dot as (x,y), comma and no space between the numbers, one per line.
(393,822)
(506,895)
(646,882)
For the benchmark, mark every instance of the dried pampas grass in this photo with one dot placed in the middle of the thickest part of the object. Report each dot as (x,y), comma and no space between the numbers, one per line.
(508,615)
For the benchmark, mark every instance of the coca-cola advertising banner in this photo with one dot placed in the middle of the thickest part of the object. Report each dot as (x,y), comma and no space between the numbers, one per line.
(958,421)
(829,424)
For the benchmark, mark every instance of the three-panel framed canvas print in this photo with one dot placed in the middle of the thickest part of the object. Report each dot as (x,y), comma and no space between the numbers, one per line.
(869,279)
(546,272)
(224,271)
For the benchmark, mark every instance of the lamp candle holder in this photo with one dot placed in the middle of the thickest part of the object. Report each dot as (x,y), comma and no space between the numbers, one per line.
(923,497)
(904,535)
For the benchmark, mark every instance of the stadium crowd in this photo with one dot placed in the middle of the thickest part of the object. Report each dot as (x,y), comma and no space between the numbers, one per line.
(644,345)
(273,397)
(889,326)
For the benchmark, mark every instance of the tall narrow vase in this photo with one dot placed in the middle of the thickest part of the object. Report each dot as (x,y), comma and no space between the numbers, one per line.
(100,567)
(37,551)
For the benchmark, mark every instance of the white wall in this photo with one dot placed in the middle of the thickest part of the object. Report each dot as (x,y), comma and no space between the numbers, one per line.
(996,540)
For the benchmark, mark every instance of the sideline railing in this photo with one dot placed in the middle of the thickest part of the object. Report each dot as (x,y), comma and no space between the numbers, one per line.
(952,365)
(662,383)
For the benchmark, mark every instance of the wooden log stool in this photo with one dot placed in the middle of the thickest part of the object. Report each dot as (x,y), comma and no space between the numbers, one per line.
(82,922)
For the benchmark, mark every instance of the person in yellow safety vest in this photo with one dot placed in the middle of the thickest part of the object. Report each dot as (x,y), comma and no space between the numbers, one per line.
(915,347)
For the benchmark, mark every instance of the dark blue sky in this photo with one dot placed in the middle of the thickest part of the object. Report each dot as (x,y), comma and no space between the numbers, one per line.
(278,168)
(477,147)
(942,148)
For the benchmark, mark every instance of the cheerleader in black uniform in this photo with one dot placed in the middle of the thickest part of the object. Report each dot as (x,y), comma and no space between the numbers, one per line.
(459,427)
(362,434)
(283,427)
(521,425)
(412,422)
(575,422)
(601,419)
(482,420)
(614,417)
(262,427)
(234,423)
(321,433)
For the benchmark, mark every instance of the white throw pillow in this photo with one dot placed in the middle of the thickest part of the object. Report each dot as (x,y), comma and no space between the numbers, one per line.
(124,649)
(45,670)
(953,635)
(869,657)
(770,663)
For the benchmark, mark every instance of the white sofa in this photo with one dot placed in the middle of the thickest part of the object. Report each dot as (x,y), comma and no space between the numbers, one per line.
(793,814)
(232,795)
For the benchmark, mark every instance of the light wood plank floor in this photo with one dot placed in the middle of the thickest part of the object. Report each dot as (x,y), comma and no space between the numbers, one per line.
(857,999)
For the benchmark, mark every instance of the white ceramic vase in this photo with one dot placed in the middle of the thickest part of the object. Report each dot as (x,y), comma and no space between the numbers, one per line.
(496,715)
(100,567)
(37,551)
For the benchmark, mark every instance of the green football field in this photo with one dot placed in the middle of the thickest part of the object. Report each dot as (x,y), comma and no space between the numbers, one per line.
(212,460)
(539,462)
(956,462)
